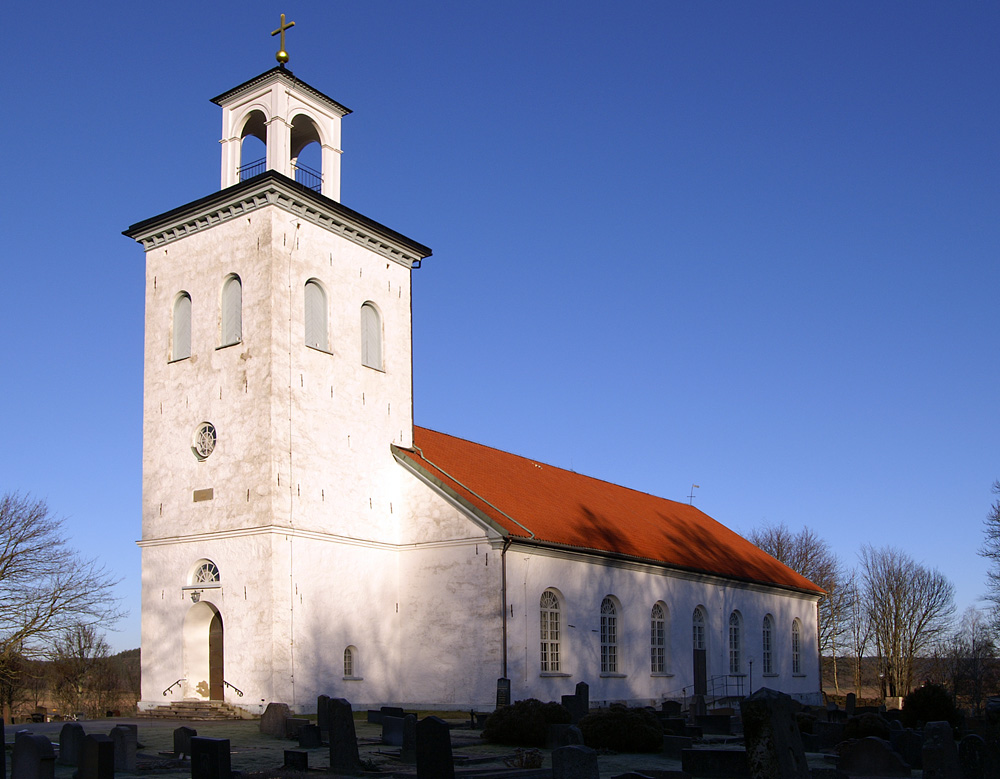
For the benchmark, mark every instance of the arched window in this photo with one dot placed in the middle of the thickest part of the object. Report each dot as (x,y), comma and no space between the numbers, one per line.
(796,647)
(205,572)
(698,628)
(609,637)
(658,639)
(549,610)
(232,311)
(317,334)
(767,643)
(371,337)
(180,332)
(350,663)
(735,643)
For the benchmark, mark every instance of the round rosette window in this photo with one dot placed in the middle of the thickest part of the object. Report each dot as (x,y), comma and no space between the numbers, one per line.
(204,440)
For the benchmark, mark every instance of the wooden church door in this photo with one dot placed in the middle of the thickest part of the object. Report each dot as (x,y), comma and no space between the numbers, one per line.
(216,686)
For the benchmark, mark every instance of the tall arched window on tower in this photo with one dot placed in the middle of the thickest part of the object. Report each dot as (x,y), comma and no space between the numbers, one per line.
(231,311)
(767,645)
(698,629)
(371,337)
(796,647)
(609,637)
(735,643)
(549,610)
(317,334)
(180,331)
(658,639)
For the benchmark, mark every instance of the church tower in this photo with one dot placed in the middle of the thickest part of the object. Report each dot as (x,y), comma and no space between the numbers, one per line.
(277,379)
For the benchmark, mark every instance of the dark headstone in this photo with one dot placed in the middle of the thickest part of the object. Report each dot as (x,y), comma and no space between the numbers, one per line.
(940,753)
(293,725)
(374,717)
(716,763)
(851,704)
(33,757)
(71,743)
(583,696)
(715,724)
(343,739)
(773,742)
(392,730)
(323,713)
(909,745)
(978,759)
(675,725)
(182,741)
(434,758)
(125,747)
(671,708)
(575,762)
(503,692)
(310,737)
(673,745)
(829,734)
(210,758)
(97,757)
(408,750)
(297,761)
(698,706)
(563,736)
(392,711)
(870,756)
(272,721)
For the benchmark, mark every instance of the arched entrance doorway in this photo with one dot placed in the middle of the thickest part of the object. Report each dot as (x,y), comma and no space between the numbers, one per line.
(204,653)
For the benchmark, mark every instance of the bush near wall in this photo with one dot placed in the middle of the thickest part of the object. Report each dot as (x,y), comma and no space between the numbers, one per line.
(930,703)
(525,724)
(622,730)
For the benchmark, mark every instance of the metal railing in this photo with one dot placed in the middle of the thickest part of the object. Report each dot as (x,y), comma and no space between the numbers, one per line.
(172,686)
(308,177)
(233,688)
(251,169)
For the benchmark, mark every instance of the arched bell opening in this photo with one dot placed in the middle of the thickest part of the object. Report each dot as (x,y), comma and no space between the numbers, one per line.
(253,146)
(204,653)
(307,153)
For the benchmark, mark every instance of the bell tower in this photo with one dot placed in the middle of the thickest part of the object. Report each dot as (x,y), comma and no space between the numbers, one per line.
(277,378)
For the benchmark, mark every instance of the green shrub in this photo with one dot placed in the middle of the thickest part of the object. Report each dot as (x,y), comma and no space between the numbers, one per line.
(622,730)
(864,725)
(525,724)
(930,703)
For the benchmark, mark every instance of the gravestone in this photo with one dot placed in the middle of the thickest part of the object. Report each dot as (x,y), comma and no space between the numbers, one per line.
(940,754)
(408,750)
(392,731)
(977,758)
(210,758)
(715,763)
(97,757)
(323,713)
(909,745)
(293,725)
(503,692)
(297,761)
(33,757)
(870,756)
(583,697)
(125,747)
(698,706)
(71,743)
(434,758)
(272,721)
(310,737)
(575,762)
(343,739)
(673,745)
(829,734)
(671,708)
(851,704)
(392,711)
(182,741)
(563,736)
(773,742)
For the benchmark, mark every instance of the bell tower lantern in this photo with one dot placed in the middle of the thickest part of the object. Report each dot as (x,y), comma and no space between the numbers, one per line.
(286,115)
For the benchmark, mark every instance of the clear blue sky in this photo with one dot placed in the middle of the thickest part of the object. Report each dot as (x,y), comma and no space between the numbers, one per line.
(751,246)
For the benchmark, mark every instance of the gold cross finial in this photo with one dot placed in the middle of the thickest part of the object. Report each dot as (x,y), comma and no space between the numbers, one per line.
(282,55)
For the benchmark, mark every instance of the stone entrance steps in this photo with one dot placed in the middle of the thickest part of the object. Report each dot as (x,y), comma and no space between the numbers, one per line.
(195,710)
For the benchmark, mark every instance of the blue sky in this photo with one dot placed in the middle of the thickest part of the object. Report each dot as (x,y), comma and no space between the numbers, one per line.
(750,246)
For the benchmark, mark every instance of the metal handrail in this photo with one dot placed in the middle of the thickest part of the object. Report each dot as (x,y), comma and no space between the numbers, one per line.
(251,169)
(172,686)
(233,688)
(308,177)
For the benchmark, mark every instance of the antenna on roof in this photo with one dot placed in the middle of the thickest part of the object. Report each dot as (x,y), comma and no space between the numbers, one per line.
(691,496)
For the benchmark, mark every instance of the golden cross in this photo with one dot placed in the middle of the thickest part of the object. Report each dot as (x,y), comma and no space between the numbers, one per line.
(282,55)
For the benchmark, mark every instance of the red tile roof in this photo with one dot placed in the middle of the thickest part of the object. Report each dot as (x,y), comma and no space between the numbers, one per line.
(537,503)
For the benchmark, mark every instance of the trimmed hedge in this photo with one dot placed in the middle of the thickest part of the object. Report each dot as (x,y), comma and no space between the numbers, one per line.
(622,730)
(525,724)
(930,703)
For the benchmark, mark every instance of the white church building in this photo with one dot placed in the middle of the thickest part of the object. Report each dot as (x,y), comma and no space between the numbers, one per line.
(300,536)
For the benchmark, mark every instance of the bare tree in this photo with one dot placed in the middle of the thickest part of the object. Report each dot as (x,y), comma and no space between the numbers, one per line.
(45,587)
(971,658)
(807,554)
(859,631)
(79,678)
(991,551)
(909,609)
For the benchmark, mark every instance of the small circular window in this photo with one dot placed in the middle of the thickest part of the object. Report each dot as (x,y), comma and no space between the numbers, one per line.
(204,440)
